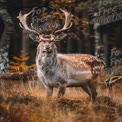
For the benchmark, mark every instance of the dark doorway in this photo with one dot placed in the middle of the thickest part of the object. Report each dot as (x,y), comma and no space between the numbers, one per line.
(1,27)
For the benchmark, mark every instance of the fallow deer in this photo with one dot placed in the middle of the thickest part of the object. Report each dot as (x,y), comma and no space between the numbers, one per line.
(56,70)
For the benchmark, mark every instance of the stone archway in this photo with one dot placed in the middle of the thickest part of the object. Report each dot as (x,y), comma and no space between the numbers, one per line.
(5,39)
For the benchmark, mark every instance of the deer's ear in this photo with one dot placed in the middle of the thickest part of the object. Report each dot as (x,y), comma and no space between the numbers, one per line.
(34,37)
(60,37)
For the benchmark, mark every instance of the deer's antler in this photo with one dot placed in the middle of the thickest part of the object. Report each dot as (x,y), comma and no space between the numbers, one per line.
(68,22)
(23,23)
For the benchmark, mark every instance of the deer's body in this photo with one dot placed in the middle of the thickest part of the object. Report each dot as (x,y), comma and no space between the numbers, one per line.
(68,70)
(63,70)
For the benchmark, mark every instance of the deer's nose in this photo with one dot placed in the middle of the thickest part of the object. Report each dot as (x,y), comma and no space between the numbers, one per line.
(47,46)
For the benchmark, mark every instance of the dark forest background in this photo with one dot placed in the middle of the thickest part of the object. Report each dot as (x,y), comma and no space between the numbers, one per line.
(83,37)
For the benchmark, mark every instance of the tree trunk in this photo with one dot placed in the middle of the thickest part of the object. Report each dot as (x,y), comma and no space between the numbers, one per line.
(98,43)
(107,50)
(5,39)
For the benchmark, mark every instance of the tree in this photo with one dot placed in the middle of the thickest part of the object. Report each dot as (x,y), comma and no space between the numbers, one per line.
(18,65)
(78,36)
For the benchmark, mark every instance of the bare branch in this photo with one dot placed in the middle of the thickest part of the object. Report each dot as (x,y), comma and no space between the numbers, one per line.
(35,29)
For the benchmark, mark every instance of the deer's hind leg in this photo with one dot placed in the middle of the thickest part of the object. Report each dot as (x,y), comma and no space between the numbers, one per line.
(93,91)
(90,90)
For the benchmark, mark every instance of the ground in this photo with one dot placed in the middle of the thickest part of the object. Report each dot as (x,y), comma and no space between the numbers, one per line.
(27,102)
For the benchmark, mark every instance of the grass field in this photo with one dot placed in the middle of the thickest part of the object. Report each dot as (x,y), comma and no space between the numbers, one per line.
(28,103)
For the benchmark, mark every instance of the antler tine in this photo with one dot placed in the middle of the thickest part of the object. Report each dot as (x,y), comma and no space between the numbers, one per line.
(68,22)
(23,22)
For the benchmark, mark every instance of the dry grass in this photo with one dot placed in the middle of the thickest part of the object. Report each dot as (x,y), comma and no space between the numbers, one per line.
(27,103)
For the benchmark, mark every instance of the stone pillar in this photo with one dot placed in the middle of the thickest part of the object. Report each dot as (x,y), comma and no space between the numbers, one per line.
(5,38)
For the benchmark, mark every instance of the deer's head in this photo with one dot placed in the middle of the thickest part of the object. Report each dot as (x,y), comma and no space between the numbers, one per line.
(46,42)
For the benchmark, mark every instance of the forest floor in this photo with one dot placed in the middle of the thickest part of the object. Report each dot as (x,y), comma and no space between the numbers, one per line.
(28,103)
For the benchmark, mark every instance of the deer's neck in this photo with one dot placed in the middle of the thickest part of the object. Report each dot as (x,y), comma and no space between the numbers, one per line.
(47,62)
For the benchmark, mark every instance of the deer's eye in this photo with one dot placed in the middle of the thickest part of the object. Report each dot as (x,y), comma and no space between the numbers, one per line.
(42,41)
(51,41)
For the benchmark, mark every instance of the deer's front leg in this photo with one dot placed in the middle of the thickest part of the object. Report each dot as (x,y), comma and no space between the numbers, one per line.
(49,91)
(62,88)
